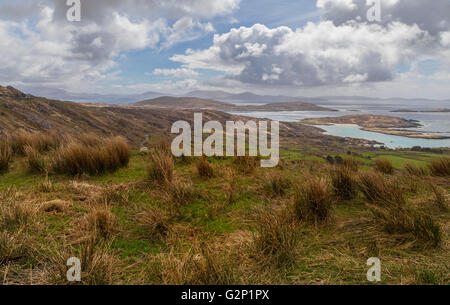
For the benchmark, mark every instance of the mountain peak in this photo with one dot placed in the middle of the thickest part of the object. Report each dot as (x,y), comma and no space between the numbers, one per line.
(10,91)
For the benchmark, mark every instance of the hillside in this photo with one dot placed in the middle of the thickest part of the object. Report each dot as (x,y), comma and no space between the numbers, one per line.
(176,103)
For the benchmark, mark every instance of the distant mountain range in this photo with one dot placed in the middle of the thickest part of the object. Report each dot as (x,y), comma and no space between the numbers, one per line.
(222,96)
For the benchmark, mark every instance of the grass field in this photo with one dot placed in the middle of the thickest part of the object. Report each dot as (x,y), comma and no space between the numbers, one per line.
(237,227)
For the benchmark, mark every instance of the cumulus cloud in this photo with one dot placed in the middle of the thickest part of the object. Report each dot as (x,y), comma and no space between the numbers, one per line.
(431,16)
(318,54)
(40,45)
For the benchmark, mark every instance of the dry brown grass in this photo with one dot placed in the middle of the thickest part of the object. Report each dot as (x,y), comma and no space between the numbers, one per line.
(14,246)
(405,220)
(201,265)
(439,198)
(276,183)
(161,168)
(38,140)
(101,222)
(97,265)
(204,168)
(246,164)
(5,155)
(384,166)
(440,167)
(155,222)
(36,162)
(313,201)
(180,192)
(414,170)
(343,182)
(381,191)
(276,239)
(76,158)
(351,163)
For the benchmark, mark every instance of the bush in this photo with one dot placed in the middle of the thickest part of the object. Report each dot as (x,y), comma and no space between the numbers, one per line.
(440,167)
(161,168)
(5,155)
(378,190)
(204,168)
(312,201)
(384,166)
(344,185)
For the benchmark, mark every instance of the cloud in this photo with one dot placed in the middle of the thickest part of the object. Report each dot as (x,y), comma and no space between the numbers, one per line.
(39,45)
(318,54)
(431,16)
(178,73)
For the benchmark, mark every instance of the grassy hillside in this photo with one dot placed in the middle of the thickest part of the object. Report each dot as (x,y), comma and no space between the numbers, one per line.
(228,221)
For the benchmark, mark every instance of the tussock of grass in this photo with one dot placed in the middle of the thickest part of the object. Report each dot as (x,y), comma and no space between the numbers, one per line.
(204,168)
(439,198)
(384,166)
(351,163)
(381,191)
(155,222)
(400,220)
(39,141)
(36,162)
(313,201)
(180,192)
(344,185)
(417,171)
(97,265)
(200,266)
(276,238)
(13,246)
(5,155)
(101,222)
(76,158)
(161,168)
(440,167)
(276,184)
(246,164)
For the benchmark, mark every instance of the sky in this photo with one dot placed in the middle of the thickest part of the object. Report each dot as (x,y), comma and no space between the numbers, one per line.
(282,47)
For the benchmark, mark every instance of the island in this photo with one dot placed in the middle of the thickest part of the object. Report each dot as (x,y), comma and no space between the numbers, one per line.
(378,123)
(424,111)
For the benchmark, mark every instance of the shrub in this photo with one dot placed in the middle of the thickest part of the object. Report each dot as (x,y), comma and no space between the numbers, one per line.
(36,162)
(343,182)
(161,168)
(312,201)
(384,166)
(416,170)
(276,184)
(440,167)
(378,190)
(276,238)
(5,155)
(204,168)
